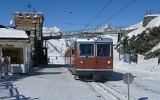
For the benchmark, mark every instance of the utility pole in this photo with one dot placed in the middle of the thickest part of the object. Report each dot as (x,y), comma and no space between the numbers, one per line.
(120,45)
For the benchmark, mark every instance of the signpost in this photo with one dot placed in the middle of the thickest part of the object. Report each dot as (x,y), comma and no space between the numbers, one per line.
(128,79)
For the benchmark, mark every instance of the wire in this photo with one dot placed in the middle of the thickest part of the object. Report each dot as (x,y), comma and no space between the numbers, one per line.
(99,13)
(79,24)
(118,12)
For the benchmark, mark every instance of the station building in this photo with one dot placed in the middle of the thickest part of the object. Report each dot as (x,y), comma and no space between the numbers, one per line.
(15,45)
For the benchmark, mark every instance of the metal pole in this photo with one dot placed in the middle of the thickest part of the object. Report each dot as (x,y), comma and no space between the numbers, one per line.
(128,91)
(120,45)
(128,86)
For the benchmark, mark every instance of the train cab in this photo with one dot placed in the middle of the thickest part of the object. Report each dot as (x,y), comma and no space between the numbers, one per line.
(92,58)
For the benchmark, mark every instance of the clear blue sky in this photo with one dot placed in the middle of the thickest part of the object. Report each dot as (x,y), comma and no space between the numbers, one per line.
(71,15)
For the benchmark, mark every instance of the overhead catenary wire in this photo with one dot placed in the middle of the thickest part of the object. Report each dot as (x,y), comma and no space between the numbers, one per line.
(99,13)
(131,2)
(79,24)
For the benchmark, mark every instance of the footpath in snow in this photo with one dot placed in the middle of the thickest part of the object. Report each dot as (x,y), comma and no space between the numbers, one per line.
(52,82)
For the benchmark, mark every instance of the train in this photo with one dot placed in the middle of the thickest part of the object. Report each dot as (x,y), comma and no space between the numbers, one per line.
(90,57)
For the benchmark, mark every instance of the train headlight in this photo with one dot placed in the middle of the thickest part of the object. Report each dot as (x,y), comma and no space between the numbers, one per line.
(81,62)
(108,62)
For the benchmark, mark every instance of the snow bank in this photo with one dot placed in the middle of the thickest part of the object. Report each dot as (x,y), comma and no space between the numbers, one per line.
(150,65)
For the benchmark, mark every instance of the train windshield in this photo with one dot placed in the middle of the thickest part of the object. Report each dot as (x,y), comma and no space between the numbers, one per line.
(86,50)
(103,50)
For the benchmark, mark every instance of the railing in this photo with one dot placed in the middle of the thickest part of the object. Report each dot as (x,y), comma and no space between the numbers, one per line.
(56,60)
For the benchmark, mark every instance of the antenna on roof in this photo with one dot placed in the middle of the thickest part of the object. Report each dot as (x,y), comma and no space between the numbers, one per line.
(30,7)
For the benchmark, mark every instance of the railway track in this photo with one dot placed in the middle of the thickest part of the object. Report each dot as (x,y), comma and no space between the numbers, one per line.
(107,92)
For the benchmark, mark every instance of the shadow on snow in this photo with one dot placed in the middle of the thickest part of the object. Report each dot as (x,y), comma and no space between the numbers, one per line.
(116,76)
(37,70)
(10,92)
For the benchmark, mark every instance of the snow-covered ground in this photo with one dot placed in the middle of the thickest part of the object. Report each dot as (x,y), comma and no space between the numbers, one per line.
(146,78)
(51,83)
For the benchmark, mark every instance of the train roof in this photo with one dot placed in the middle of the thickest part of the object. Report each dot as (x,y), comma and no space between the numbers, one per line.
(104,40)
(95,40)
(85,40)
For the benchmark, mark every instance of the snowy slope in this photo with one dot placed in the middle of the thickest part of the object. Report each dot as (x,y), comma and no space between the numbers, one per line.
(49,30)
(105,28)
(56,47)
(53,31)
(56,50)
(135,26)
(154,23)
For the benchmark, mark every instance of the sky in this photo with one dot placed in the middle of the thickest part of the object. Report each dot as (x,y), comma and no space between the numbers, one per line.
(74,15)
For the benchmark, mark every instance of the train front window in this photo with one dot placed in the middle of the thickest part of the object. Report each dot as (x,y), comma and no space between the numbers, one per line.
(103,50)
(86,50)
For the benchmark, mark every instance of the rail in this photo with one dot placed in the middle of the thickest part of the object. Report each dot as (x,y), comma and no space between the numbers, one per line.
(108,92)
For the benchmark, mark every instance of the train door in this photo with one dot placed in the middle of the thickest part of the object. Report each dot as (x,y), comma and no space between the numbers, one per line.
(87,56)
(103,53)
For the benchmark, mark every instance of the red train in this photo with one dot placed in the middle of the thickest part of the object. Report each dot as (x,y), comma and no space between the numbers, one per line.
(91,57)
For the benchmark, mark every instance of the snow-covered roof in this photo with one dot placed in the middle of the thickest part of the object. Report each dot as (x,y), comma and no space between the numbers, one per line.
(12,33)
(154,15)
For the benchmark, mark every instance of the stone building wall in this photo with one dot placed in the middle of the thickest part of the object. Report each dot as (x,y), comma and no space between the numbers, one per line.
(32,23)
(13,42)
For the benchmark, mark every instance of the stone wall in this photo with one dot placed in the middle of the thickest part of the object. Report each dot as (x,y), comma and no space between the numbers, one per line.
(29,22)
(32,23)
(13,42)
(147,19)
